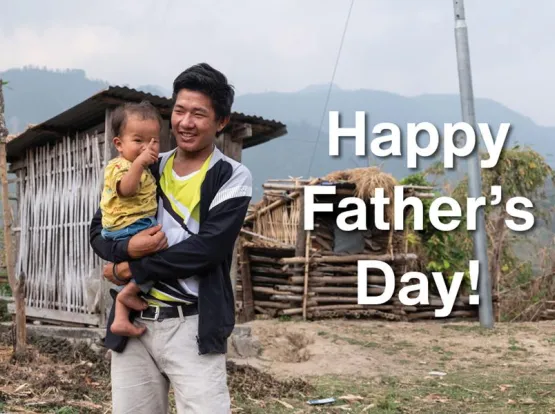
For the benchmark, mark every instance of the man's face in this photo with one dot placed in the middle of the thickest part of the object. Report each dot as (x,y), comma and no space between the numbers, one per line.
(194,121)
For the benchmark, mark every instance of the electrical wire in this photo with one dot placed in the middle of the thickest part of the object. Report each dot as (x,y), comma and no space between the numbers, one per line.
(331,84)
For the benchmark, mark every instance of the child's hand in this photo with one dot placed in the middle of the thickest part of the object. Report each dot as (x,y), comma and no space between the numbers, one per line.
(149,155)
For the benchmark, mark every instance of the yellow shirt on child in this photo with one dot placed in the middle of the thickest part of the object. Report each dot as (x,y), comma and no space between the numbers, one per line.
(119,212)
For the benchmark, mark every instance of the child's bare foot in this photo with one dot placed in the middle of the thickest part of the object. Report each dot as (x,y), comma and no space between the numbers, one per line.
(122,325)
(126,328)
(129,297)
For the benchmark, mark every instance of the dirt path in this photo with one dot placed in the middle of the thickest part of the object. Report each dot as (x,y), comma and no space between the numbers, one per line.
(370,348)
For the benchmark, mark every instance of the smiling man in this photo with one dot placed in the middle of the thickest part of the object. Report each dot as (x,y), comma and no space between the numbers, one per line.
(203,198)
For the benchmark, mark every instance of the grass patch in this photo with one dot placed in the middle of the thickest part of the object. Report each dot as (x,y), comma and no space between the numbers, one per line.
(501,391)
(472,329)
(67,410)
(403,344)
(5,289)
(351,341)
(448,356)
(513,346)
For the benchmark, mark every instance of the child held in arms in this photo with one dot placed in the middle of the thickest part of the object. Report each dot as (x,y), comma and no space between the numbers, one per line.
(128,202)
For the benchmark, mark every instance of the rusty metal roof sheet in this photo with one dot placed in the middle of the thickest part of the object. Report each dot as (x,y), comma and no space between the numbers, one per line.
(91,112)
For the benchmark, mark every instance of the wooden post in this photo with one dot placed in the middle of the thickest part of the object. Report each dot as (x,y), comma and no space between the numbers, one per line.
(306,271)
(301,233)
(17,287)
(110,153)
(231,144)
(302,249)
(167,140)
(246,285)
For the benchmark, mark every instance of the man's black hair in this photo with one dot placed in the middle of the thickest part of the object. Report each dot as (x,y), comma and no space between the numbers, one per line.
(144,110)
(209,81)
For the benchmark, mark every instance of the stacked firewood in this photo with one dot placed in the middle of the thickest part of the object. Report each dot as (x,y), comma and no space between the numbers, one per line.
(278,287)
(285,270)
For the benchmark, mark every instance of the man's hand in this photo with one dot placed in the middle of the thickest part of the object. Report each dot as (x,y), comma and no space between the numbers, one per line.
(147,242)
(122,270)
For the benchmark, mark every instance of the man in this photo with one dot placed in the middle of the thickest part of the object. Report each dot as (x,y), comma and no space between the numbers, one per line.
(203,198)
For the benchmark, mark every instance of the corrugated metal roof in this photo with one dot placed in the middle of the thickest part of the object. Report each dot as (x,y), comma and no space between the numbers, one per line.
(91,113)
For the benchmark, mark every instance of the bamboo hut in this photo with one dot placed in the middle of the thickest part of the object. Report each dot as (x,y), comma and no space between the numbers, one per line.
(286,271)
(58,166)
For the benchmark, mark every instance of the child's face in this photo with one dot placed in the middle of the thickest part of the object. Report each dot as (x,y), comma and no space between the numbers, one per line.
(136,135)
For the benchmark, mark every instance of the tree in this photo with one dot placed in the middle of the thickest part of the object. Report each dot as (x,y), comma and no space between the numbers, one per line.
(17,286)
(520,172)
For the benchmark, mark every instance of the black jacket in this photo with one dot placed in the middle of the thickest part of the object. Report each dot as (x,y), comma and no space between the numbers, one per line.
(225,196)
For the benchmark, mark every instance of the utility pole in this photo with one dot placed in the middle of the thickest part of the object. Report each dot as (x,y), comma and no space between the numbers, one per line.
(474,173)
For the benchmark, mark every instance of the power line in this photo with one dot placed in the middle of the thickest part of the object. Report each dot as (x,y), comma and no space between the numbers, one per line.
(331,83)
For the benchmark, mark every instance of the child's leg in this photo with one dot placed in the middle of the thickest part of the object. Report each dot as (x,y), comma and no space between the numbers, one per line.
(122,325)
(144,287)
(129,296)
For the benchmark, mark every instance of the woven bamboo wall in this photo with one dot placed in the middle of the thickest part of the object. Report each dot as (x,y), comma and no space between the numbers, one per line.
(59,191)
(280,223)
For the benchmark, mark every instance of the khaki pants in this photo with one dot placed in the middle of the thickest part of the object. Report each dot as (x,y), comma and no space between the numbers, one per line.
(167,353)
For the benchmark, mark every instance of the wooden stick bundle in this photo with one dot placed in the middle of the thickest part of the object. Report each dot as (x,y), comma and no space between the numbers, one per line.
(308,277)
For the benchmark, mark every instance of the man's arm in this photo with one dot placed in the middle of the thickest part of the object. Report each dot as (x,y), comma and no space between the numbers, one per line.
(142,244)
(215,239)
(109,250)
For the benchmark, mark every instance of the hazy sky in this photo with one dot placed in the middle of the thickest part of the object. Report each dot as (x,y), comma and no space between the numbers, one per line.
(402,46)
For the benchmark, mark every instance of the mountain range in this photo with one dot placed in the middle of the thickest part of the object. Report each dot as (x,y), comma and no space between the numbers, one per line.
(35,94)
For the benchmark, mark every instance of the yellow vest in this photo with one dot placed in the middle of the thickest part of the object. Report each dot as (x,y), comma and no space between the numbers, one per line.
(183,194)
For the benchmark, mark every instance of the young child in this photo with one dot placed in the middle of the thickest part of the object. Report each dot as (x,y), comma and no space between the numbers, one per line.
(128,200)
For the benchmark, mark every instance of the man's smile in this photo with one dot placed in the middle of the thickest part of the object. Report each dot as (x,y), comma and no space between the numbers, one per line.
(187,136)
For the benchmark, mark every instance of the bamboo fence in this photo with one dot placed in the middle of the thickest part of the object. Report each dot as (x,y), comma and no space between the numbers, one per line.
(286,271)
(59,190)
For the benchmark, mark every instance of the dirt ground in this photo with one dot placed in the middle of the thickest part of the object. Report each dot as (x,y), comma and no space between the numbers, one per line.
(366,366)
(370,348)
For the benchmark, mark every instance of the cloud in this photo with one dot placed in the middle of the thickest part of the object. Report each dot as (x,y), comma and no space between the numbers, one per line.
(60,46)
(402,46)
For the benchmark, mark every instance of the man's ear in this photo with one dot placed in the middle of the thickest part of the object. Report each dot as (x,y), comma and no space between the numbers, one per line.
(223,123)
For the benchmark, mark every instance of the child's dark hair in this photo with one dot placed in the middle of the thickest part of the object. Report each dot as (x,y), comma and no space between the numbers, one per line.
(207,80)
(145,110)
